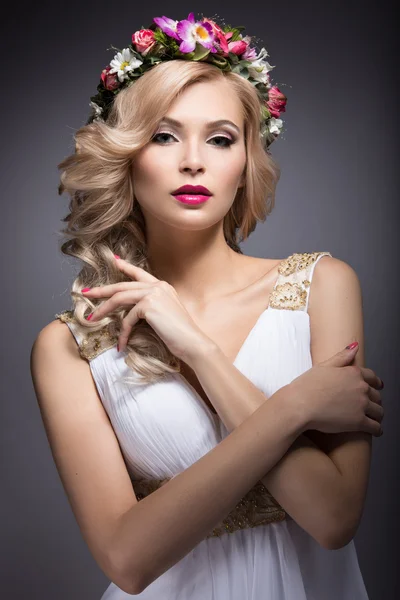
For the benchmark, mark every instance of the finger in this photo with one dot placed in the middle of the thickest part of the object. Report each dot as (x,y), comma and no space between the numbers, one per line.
(371,378)
(374,395)
(374,411)
(105,291)
(135,272)
(126,327)
(370,426)
(126,298)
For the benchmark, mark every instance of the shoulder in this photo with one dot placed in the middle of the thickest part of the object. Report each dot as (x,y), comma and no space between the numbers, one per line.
(90,341)
(335,309)
(53,336)
(334,281)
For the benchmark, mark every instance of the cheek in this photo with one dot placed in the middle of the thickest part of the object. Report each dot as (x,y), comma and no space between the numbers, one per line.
(232,171)
(149,171)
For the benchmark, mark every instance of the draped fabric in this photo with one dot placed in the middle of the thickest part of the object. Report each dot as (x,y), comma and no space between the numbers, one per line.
(165,427)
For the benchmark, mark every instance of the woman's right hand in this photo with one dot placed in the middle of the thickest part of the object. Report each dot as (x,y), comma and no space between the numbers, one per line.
(337,396)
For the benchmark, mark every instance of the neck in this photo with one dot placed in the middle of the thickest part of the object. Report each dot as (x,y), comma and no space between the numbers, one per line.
(198,264)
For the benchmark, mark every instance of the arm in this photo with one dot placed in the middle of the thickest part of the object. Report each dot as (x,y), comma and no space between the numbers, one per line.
(325,472)
(336,316)
(304,477)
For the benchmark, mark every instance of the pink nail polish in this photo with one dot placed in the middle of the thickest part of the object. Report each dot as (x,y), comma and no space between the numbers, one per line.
(116,256)
(85,290)
(89,317)
(351,346)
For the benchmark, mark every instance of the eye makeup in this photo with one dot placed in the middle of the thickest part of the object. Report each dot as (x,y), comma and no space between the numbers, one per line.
(226,137)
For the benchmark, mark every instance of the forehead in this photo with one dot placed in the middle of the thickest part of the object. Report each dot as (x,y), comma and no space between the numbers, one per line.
(207,101)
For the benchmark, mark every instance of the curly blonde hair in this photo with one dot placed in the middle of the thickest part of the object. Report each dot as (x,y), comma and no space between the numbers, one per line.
(105,219)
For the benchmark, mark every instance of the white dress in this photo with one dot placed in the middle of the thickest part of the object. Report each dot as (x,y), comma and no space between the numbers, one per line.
(165,427)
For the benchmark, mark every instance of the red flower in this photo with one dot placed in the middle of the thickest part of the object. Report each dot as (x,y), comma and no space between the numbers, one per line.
(276,102)
(143,40)
(110,81)
(237,47)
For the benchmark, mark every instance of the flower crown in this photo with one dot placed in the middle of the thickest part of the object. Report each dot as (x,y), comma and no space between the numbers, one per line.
(204,40)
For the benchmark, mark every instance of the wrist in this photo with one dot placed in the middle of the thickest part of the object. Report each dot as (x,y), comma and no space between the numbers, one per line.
(203,348)
(291,401)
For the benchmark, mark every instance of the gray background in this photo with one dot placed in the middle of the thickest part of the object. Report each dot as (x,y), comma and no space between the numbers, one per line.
(338,192)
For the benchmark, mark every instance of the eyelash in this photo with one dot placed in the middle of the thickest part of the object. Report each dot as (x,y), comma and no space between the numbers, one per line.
(230,142)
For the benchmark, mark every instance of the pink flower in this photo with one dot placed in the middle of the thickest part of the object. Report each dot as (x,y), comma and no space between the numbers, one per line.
(143,40)
(250,53)
(276,102)
(237,47)
(221,38)
(110,81)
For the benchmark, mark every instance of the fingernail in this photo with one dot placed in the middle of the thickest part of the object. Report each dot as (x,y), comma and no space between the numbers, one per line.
(89,317)
(351,346)
(85,289)
(116,256)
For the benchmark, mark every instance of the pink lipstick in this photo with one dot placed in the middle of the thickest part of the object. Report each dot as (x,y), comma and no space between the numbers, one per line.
(191,198)
(192,194)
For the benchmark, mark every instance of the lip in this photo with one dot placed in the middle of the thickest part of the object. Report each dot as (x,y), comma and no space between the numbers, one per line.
(193,189)
(191,198)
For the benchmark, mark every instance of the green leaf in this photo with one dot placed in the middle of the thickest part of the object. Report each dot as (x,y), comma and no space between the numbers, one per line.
(235,36)
(244,63)
(219,61)
(183,55)
(200,52)
(234,58)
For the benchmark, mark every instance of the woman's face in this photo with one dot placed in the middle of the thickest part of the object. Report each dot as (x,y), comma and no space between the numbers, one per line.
(195,153)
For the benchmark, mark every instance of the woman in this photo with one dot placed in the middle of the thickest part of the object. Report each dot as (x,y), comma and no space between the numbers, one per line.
(210,428)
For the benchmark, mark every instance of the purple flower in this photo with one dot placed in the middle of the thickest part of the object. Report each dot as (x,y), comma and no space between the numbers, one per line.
(191,31)
(168,26)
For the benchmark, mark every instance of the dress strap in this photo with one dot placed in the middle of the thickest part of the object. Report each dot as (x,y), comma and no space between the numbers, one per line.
(292,287)
(91,343)
(67,316)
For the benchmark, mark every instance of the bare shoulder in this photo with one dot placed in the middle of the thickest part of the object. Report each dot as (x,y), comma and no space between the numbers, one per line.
(333,278)
(54,336)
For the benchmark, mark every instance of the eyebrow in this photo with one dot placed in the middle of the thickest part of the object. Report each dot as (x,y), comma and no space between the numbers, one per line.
(209,125)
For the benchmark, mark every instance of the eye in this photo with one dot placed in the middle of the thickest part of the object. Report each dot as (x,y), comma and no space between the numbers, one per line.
(157,135)
(227,141)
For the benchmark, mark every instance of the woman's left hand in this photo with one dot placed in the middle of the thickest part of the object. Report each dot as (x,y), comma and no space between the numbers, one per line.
(156,301)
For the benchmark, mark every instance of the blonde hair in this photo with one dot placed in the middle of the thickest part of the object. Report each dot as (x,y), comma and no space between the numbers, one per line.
(105,219)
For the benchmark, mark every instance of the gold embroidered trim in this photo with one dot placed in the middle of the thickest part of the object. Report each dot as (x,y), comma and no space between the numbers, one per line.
(257,507)
(292,287)
(298,262)
(289,296)
(91,343)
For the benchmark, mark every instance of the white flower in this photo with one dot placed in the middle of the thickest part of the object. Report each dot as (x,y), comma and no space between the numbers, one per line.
(123,62)
(275,125)
(97,110)
(259,68)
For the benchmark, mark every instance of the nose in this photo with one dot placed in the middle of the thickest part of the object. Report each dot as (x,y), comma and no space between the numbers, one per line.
(192,161)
